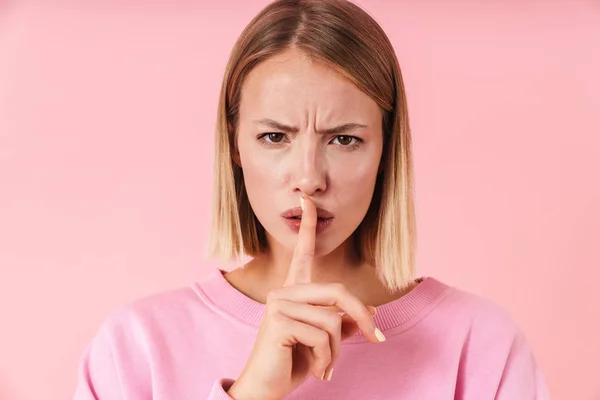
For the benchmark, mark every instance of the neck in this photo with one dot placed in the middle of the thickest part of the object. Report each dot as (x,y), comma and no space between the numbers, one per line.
(335,266)
(268,271)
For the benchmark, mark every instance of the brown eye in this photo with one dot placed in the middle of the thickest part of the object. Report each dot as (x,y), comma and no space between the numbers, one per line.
(344,140)
(275,137)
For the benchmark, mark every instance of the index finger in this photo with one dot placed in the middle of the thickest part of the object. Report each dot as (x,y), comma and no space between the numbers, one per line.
(300,269)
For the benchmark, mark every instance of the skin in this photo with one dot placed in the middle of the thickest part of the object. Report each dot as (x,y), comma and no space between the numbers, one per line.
(306,276)
(298,335)
(337,171)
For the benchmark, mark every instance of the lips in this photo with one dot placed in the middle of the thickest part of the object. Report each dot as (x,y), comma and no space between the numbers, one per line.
(293,218)
(296,213)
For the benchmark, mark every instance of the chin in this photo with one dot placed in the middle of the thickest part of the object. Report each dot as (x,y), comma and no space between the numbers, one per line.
(325,243)
(323,250)
(323,246)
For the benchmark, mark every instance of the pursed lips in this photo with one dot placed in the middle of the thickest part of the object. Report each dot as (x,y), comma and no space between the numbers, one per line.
(296,213)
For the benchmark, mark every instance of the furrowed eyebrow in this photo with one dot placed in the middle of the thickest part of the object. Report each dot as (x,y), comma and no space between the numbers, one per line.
(345,128)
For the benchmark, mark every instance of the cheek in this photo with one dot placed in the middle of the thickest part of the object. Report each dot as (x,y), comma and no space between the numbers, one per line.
(262,174)
(354,190)
(358,179)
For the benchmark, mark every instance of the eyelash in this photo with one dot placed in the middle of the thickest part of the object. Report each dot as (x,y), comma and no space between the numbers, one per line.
(349,147)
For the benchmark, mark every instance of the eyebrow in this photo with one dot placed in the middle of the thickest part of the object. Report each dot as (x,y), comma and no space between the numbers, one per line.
(345,128)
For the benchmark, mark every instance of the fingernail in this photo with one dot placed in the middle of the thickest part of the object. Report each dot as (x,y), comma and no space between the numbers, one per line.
(302,203)
(373,311)
(379,335)
(327,374)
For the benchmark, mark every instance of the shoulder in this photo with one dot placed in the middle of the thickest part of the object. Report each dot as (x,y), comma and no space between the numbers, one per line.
(153,311)
(482,325)
(495,355)
(133,338)
(480,312)
(494,349)
(133,333)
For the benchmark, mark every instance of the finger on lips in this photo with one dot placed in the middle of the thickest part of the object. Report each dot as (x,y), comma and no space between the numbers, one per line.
(302,259)
(332,297)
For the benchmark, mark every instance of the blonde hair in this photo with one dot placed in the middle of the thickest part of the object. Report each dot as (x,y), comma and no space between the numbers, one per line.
(344,37)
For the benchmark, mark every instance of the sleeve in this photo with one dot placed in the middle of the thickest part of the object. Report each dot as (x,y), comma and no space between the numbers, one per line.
(522,379)
(97,377)
(219,390)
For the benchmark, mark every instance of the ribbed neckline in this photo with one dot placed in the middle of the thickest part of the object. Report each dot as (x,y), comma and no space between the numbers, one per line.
(389,316)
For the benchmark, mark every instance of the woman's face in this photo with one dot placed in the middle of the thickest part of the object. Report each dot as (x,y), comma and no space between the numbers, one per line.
(288,147)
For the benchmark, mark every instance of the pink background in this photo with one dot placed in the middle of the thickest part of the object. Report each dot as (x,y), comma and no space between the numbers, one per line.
(106,131)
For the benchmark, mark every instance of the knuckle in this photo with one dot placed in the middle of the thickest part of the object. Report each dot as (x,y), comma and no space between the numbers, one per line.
(278,321)
(274,307)
(323,340)
(273,295)
(338,289)
(334,324)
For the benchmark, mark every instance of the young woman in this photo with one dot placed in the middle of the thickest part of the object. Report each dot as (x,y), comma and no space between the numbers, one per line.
(313,180)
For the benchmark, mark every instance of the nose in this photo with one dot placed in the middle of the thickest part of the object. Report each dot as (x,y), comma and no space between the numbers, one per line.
(308,166)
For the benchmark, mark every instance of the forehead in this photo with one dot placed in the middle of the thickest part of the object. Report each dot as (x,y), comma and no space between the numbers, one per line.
(291,82)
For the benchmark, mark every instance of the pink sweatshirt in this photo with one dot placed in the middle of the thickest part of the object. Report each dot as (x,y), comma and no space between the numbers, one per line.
(191,343)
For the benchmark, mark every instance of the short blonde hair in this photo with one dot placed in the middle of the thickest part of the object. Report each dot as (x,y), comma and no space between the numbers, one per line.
(344,37)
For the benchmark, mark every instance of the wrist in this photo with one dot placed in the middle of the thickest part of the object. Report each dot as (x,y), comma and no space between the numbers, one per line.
(234,392)
(237,391)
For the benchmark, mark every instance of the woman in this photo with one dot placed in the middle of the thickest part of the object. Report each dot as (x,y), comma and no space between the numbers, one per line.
(314,181)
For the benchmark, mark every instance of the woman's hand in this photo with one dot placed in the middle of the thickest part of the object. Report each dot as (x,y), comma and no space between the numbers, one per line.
(297,336)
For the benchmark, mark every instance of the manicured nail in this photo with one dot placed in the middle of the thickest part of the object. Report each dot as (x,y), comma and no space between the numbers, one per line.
(327,374)
(302,203)
(379,335)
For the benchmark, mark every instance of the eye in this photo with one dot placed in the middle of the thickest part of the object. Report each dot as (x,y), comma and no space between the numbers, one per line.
(275,137)
(344,140)
(271,138)
(347,141)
